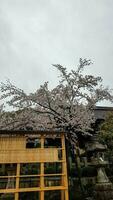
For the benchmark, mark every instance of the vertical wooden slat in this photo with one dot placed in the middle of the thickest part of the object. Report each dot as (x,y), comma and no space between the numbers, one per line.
(17,181)
(42,173)
(64,171)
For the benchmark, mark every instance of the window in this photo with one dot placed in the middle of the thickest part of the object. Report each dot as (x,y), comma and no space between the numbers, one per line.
(9,196)
(29,182)
(52,142)
(52,168)
(6,171)
(29,168)
(33,143)
(29,195)
(50,181)
(52,195)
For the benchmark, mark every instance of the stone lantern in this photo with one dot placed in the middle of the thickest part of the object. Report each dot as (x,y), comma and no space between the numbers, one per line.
(95,152)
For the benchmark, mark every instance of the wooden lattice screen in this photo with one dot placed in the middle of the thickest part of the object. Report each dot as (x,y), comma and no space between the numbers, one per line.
(33,166)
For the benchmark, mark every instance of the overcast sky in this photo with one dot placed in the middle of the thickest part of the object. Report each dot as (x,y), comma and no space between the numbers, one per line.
(36,33)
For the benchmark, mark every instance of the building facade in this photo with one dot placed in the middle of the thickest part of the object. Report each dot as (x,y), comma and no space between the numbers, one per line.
(33,165)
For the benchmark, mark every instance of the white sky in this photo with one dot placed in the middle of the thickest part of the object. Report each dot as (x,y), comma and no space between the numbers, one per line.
(36,33)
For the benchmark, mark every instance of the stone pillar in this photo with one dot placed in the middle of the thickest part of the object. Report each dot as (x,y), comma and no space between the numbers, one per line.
(103,187)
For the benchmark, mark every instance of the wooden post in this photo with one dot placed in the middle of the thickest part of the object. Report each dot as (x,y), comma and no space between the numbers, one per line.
(42,173)
(17,181)
(64,171)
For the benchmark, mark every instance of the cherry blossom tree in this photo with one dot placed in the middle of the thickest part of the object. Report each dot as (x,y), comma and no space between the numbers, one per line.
(68,107)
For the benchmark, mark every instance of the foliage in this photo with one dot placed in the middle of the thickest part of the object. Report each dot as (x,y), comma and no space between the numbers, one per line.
(69,106)
(106,134)
(106,130)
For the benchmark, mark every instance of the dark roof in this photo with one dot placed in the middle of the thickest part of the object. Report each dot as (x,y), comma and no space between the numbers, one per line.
(31,132)
(101,111)
(105,108)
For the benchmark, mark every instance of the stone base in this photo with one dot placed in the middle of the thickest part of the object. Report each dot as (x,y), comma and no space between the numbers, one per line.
(103,191)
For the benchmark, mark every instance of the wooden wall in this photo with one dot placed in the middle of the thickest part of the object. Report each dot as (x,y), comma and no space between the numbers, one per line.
(13,150)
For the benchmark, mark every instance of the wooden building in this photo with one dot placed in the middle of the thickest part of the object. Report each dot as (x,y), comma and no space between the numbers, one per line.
(100,112)
(33,166)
